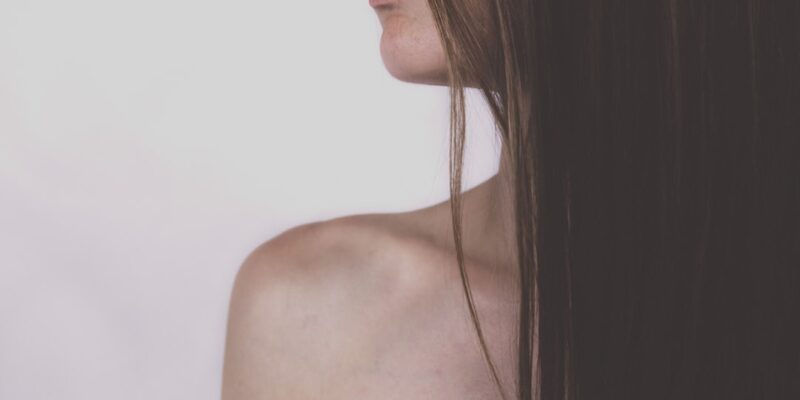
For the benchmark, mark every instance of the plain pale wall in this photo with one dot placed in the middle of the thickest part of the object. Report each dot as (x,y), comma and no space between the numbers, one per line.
(146,147)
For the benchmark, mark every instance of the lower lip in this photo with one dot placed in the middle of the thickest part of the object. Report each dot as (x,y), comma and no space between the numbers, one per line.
(381,3)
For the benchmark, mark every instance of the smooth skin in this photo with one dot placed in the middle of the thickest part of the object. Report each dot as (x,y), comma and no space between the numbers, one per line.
(371,306)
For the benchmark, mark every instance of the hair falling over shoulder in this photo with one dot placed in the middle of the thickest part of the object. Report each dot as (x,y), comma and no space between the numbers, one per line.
(655,150)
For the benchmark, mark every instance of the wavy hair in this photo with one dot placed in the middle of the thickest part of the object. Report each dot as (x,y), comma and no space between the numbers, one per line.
(654,151)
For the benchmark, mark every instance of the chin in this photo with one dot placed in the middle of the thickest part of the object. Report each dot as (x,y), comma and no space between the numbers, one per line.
(418,75)
(408,61)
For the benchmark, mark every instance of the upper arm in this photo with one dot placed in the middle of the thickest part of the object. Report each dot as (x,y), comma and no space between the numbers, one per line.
(268,352)
(288,314)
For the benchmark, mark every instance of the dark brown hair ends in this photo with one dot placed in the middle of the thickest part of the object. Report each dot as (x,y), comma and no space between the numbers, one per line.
(654,147)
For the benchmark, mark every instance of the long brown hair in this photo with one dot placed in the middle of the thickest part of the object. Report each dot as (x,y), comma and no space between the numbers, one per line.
(654,150)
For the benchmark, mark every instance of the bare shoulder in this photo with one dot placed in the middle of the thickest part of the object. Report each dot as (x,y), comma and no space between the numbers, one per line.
(320,256)
(305,303)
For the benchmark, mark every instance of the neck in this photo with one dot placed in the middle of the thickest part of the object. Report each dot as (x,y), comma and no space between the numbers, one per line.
(491,204)
(500,202)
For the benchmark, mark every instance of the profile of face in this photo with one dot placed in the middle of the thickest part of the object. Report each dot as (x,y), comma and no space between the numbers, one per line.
(410,45)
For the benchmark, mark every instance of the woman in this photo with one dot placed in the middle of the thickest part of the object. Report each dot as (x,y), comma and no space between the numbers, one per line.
(640,241)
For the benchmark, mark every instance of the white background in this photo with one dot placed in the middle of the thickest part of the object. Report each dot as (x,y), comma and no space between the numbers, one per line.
(146,147)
